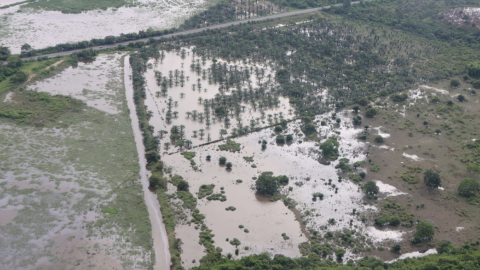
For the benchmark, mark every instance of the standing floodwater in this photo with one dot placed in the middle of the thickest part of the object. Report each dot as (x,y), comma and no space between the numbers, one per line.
(160,241)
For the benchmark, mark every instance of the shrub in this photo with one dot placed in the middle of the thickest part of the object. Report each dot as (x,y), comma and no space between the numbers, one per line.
(424,231)
(267,184)
(371,112)
(280,139)
(229,165)
(183,186)
(222,160)
(278,129)
(157,181)
(289,138)
(454,83)
(379,139)
(468,187)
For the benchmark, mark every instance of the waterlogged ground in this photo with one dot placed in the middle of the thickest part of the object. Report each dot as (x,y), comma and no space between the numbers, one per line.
(189,98)
(40,29)
(256,221)
(69,190)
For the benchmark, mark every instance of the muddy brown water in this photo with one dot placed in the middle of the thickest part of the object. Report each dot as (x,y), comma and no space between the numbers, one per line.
(265,220)
(190,102)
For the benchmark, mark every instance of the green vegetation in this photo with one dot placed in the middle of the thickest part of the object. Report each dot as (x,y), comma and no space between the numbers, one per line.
(205,190)
(424,231)
(268,185)
(76,6)
(394,214)
(248,159)
(371,189)
(189,201)
(110,211)
(451,258)
(230,208)
(330,148)
(432,179)
(37,107)
(230,146)
(468,187)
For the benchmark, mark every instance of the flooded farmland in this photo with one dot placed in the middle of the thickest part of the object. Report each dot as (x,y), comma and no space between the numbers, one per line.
(65,201)
(260,225)
(40,29)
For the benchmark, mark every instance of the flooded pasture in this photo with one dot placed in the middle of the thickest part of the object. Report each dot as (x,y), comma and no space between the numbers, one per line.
(40,28)
(60,189)
(259,224)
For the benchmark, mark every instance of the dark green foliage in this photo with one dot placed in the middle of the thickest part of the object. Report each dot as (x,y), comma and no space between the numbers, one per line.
(371,112)
(222,160)
(473,70)
(454,83)
(278,129)
(468,187)
(152,157)
(396,248)
(289,138)
(229,165)
(157,181)
(330,148)
(399,97)
(461,98)
(88,54)
(268,185)
(432,179)
(424,231)
(19,77)
(370,188)
(379,139)
(280,139)
(183,185)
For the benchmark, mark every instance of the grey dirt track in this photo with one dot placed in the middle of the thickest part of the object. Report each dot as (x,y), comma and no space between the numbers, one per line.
(193,31)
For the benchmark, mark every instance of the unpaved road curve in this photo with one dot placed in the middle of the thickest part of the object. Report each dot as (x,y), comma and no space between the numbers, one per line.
(159,234)
(198,30)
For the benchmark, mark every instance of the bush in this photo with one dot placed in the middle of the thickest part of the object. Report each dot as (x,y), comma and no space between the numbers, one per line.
(278,129)
(468,187)
(432,179)
(152,157)
(424,231)
(330,148)
(267,184)
(183,186)
(222,160)
(157,181)
(396,248)
(476,84)
(379,139)
(19,77)
(229,165)
(454,83)
(371,112)
(399,98)
(289,138)
(280,139)
(461,98)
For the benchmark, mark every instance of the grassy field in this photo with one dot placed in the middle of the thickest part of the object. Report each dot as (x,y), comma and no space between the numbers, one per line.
(73,184)
(76,6)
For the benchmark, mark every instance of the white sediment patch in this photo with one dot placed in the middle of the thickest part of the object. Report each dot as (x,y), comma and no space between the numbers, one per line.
(379,132)
(412,157)
(415,254)
(388,189)
(438,90)
(383,235)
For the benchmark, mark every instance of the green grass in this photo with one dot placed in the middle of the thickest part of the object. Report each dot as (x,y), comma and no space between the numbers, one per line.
(205,190)
(76,6)
(33,107)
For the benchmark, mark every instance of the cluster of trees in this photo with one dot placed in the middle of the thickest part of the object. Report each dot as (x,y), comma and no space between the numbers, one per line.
(419,17)
(12,68)
(449,257)
(230,10)
(95,42)
(323,58)
(268,185)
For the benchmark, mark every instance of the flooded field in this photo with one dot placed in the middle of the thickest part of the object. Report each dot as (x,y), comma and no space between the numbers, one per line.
(40,29)
(186,82)
(261,225)
(64,200)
